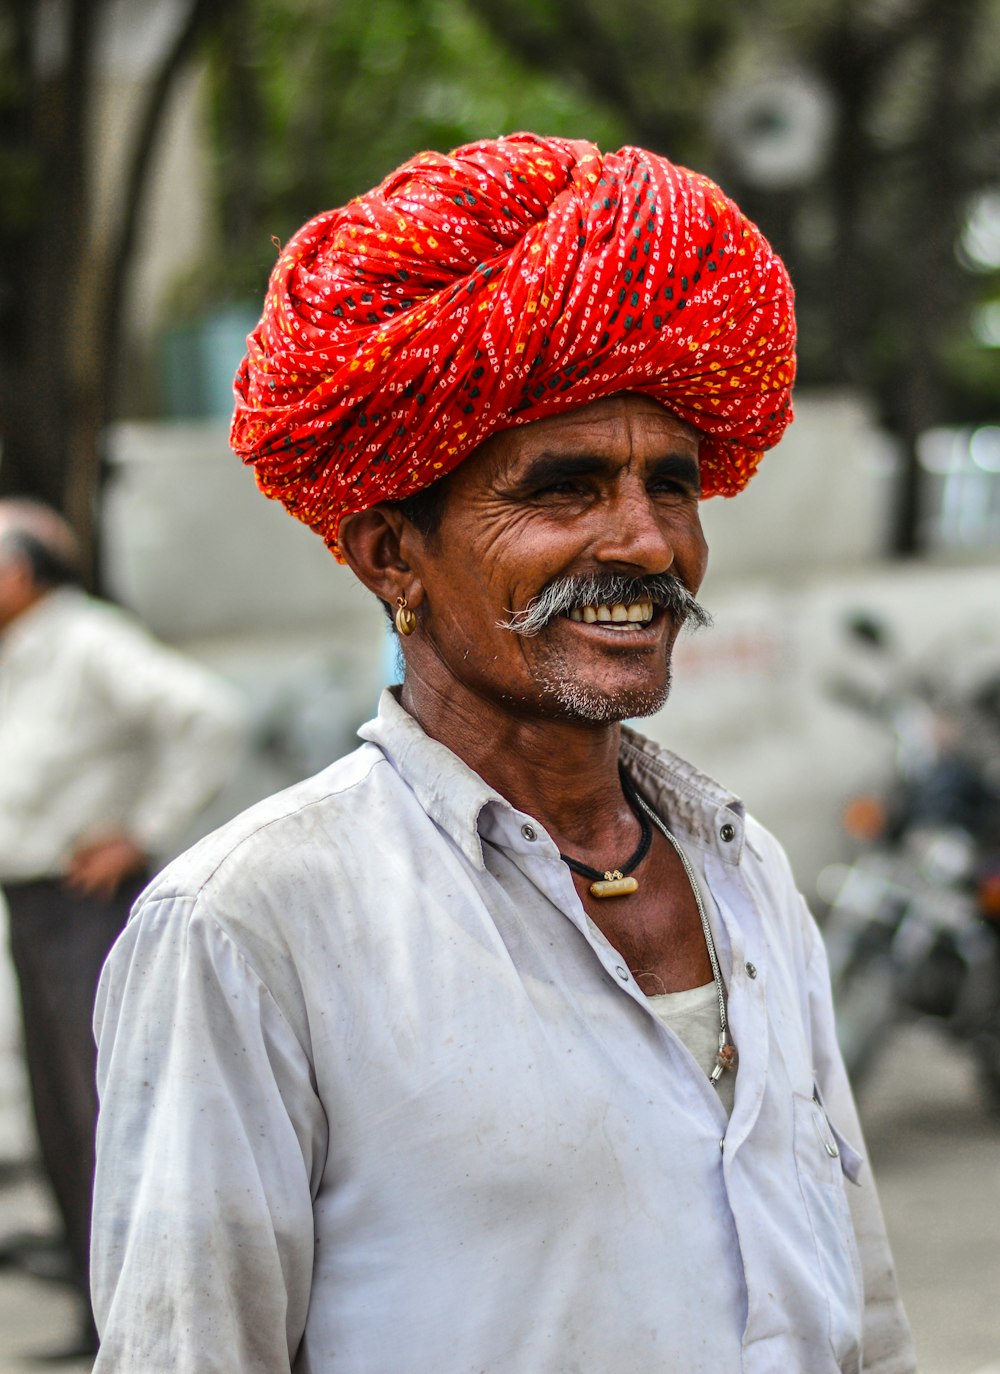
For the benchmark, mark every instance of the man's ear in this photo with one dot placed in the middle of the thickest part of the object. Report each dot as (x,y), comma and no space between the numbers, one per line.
(375,544)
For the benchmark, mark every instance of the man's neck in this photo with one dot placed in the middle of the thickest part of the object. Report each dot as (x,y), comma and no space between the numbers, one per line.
(23,607)
(565,773)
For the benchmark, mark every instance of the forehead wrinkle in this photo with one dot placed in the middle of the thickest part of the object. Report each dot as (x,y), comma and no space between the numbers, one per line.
(606,432)
(605,422)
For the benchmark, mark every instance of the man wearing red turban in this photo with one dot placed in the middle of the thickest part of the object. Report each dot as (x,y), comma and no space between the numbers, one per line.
(504,1043)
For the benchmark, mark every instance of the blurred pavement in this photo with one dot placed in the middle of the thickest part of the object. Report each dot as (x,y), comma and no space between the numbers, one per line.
(936,1154)
(933,1145)
(37,1316)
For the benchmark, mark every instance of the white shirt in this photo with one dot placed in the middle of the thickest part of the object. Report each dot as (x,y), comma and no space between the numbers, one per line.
(378,1099)
(101,728)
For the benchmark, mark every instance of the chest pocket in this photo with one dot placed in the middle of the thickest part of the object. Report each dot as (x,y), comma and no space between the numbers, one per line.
(823,1160)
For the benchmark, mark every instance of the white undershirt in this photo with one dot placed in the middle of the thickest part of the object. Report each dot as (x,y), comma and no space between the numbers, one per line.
(693,1016)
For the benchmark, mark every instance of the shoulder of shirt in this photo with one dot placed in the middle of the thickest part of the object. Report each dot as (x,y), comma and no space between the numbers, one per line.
(316,818)
(105,618)
(297,873)
(70,621)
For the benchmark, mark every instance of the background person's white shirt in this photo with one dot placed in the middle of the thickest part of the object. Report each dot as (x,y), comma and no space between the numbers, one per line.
(102,728)
(378,1099)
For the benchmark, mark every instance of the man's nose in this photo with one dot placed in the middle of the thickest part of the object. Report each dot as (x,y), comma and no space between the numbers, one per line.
(632,532)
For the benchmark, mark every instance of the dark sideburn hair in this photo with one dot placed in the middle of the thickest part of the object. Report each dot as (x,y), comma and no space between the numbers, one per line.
(425,511)
(48,567)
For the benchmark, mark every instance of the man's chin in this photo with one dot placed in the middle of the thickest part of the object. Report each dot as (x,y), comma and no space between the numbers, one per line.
(587,703)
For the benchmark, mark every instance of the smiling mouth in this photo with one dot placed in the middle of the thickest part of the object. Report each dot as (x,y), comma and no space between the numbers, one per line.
(637,613)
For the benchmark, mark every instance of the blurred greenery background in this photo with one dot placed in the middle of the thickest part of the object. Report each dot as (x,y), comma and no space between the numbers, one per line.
(863,136)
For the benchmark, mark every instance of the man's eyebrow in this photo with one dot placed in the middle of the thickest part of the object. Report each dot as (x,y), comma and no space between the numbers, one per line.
(557,467)
(678,466)
(547,468)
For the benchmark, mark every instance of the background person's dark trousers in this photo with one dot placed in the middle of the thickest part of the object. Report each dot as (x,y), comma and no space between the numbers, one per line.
(58,944)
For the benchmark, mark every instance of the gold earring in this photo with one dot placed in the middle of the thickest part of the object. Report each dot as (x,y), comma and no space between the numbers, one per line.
(406,621)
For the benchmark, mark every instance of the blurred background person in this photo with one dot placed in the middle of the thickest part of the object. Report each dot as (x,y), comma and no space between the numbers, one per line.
(110,744)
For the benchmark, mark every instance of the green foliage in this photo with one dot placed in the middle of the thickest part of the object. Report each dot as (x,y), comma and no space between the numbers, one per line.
(314,102)
(972,372)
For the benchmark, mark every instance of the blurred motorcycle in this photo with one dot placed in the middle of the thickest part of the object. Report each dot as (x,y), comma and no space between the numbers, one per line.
(912,925)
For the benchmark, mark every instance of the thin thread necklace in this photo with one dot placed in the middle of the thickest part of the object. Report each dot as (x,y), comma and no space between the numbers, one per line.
(617,882)
(727,1055)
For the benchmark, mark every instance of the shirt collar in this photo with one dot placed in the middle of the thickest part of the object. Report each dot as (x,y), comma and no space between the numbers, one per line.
(454,797)
(446,788)
(693,805)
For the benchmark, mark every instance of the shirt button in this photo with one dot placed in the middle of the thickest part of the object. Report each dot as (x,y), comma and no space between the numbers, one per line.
(728,832)
(529,833)
(622,973)
(751,969)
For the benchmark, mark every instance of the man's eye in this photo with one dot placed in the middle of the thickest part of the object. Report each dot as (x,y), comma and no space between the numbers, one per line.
(565,488)
(674,487)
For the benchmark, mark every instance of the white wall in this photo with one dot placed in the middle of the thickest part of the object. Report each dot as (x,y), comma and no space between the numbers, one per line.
(819,500)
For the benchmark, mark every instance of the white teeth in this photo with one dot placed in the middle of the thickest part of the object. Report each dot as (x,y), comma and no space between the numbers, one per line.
(639,613)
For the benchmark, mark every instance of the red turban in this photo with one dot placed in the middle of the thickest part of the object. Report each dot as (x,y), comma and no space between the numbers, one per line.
(511,280)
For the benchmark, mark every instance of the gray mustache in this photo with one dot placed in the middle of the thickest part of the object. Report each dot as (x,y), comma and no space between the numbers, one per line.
(606,589)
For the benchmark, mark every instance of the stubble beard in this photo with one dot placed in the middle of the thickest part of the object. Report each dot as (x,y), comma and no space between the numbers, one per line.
(579,701)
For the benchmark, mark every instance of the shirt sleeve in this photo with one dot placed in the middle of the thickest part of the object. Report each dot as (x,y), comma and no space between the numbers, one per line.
(192,725)
(210,1144)
(888,1346)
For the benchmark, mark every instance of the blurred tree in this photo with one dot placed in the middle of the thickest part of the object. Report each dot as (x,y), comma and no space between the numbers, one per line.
(858,133)
(314,102)
(63,278)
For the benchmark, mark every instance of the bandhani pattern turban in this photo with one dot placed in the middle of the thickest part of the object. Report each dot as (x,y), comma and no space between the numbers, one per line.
(508,281)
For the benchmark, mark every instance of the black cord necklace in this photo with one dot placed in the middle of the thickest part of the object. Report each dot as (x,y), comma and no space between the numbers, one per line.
(616,882)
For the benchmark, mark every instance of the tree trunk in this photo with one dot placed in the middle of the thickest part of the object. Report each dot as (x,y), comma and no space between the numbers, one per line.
(936,208)
(60,374)
(41,405)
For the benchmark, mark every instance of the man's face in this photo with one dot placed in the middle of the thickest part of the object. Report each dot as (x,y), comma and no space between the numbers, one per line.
(609,489)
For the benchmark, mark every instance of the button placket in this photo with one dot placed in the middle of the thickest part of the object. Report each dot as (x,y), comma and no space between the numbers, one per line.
(740,924)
